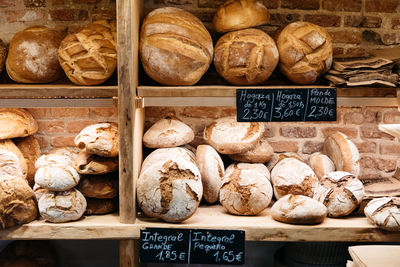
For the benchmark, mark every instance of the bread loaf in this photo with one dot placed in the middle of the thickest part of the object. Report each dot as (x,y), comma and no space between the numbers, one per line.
(39,191)
(16,122)
(89,56)
(175,48)
(87,163)
(57,177)
(96,206)
(99,186)
(280,156)
(246,57)
(30,149)
(305,52)
(321,164)
(249,166)
(384,212)
(3,55)
(32,55)
(240,14)
(261,153)
(11,165)
(51,159)
(298,209)
(341,192)
(72,153)
(228,136)
(7,144)
(168,132)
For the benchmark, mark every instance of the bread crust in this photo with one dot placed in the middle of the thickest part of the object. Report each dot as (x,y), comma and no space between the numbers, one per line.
(261,153)
(16,122)
(321,164)
(57,177)
(384,212)
(99,186)
(30,149)
(87,163)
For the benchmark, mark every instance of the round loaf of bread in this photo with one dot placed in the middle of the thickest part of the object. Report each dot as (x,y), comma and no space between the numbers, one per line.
(16,122)
(57,177)
(298,209)
(280,156)
(7,144)
(170,189)
(341,192)
(62,206)
(321,164)
(39,191)
(261,153)
(292,176)
(175,48)
(245,192)
(72,153)
(100,139)
(30,149)
(89,56)
(32,55)
(249,166)
(228,136)
(87,163)
(211,168)
(246,57)
(3,55)
(240,14)
(384,212)
(96,206)
(51,159)
(18,203)
(343,152)
(305,52)
(11,165)
(99,186)
(168,132)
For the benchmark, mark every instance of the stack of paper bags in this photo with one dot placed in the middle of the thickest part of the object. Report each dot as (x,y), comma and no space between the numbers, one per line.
(374,256)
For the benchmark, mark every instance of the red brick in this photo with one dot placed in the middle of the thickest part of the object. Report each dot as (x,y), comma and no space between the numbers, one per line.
(35,3)
(371,36)
(225,112)
(304,4)
(353,118)
(68,14)
(338,51)
(160,112)
(367,162)
(323,20)
(396,23)
(366,147)
(298,132)
(346,36)
(269,131)
(284,146)
(385,6)
(342,5)
(69,112)
(57,2)
(174,2)
(270,4)
(105,112)
(43,141)
(24,15)
(392,148)
(369,174)
(200,112)
(76,126)
(372,115)
(374,132)
(392,117)
(386,165)
(310,147)
(7,3)
(390,38)
(61,141)
(363,21)
(38,113)
(282,19)
(85,1)
(357,52)
(350,132)
(206,16)
(104,13)
(51,127)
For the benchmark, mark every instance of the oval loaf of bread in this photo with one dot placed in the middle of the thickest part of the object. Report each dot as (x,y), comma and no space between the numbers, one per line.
(16,122)
(261,153)
(384,212)
(321,164)
(57,177)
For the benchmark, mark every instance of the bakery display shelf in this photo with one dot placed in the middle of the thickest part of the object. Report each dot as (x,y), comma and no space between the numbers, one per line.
(263,228)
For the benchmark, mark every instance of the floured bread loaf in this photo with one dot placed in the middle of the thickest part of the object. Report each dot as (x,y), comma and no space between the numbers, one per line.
(3,55)
(280,156)
(62,206)
(89,56)
(245,191)
(11,164)
(32,55)
(87,163)
(298,209)
(305,52)
(96,206)
(39,191)
(245,57)
(321,164)
(384,212)
(228,136)
(168,132)
(175,48)
(30,149)
(16,122)
(341,192)
(249,166)
(18,203)
(261,153)
(51,159)
(343,152)
(99,186)
(292,176)
(170,190)
(7,144)
(100,139)
(66,151)
(212,171)
(57,177)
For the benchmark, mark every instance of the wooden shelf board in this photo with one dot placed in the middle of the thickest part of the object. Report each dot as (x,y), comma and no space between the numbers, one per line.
(264,228)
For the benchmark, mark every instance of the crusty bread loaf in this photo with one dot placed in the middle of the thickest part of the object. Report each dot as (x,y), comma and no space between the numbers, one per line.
(99,186)
(261,153)
(30,149)
(89,56)
(70,152)
(7,144)
(240,14)
(39,191)
(341,192)
(298,209)
(32,55)
(228,136)
(249,166)
(168,132)
(16,122)
(3,55)
(305,52)
(87,163)
(246,57)
(175,47)
(18,203)
(321,164)
(11,165)
(384,212)
(96,206)
(50,159)
(280,156)
(57,177)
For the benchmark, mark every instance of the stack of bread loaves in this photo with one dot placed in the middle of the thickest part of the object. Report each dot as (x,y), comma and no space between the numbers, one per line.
(97,163)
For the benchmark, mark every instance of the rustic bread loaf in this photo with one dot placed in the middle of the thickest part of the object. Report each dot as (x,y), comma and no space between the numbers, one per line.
(249,166)
(16,122)
(57,177)
(292,176)
(298,209)
(175,48)
(96,206)
(228,136)
(72,153)
(99,186)
(87,163)
(211,168)
(18,203)
(384,212)
(89,56)
(321,164)
(10,164)
(100,139)
(39,191)
(341,192)
(280,156)
(62,206)
(343,152)
(170,189)
(240,14)
(261,153)
(7,144)
(50,159)
(30,149)
(246,57)
(3,55)
(168,132)
(245,192)
(305,52)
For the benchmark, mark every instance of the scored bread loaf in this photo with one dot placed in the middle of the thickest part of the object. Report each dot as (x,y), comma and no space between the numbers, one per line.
(10,164)
(240,14)
(99,186)
(16,122)
(7,144)
(175,48)
(87,163)
(246,57)
(30,149)
(280,156)
(249,166)
(51,159)
(3,55)
(384,212)
(321,164)
(89,56)
(261,153)
(305,52)
(72,153)
(57,177)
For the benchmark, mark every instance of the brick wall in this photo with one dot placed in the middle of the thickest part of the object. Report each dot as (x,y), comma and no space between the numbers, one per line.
(379,151)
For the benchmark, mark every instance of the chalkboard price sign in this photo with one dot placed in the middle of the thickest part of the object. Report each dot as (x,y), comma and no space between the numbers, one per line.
(266,105)
(159,245)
